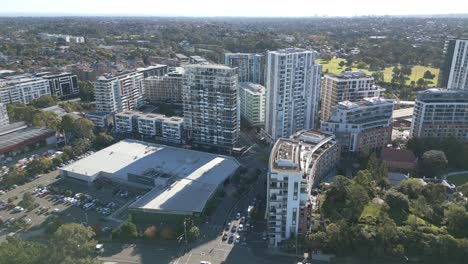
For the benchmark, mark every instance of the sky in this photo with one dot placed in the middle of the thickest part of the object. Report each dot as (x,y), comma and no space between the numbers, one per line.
(249,8)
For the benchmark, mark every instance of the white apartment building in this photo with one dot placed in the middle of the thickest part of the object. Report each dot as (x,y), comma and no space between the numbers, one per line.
(252,103)
(151,126)
(211,106)
(123,122)
(4,120)
(120,93)
(250,67)
(22,89)
(346,86)
(66,38)
(292,92)
(361,125)
(101,120)
(454,71)
(441,113)
(296,165)
(165,89)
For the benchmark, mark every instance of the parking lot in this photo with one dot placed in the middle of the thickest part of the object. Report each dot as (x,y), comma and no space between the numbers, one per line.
(68,199)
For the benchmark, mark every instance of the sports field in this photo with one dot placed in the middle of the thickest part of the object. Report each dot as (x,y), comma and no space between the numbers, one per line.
(417,71)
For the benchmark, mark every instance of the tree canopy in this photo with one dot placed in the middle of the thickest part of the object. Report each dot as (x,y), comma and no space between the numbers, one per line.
(432,163)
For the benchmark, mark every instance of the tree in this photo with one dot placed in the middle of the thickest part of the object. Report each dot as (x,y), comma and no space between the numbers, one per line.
(38,165)
(327,57)
(15,175)
(67,127)
(434,193)
(46,119)
(103,140)
(364,178)
(126,232)
(45,101)
(428,75)
(20,112)
(361,65)
(338,237)
(420,82)
(457,219)
(463,189)
(396,71)
(341,64)
(344,200)
(86,91)
(397,200)
(378,76)
(398,205)
(72,243)
(28,200)
(81,146)
(83,128)
(193,233)
(432,163)
(422,209)
(16,250)
(406,70)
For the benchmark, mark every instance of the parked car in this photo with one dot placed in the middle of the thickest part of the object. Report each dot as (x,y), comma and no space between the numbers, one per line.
(238,216)
(241,228)
(18,209)
(237,239)
(234,228)
(225,237)
(231,238)
(227,227)
(99,248)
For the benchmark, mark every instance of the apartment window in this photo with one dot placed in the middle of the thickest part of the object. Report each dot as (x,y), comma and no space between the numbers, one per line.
(294,216)
(296,187)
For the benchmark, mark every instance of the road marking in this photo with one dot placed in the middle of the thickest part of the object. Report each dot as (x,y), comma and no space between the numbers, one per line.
(113,260)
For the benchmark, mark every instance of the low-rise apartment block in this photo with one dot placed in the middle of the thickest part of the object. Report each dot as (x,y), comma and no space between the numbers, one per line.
(4,120)
(362,125)
(441,113)
(22,89)
(347,86)
(151,126)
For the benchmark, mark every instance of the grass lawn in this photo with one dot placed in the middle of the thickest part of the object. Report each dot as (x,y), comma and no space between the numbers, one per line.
(370,213)
(458,179)
(417,71)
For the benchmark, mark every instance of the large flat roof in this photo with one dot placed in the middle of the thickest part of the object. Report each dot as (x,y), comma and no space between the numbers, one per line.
(22,136)
(194,175)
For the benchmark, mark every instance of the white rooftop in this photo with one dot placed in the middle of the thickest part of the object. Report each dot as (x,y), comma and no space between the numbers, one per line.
(196,175)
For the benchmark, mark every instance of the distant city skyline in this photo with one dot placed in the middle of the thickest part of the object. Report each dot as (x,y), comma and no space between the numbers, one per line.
(242,8)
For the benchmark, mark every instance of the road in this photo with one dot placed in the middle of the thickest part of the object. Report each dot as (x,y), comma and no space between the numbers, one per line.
(404,112)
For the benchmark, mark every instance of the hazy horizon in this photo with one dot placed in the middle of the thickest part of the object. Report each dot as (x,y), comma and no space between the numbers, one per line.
(240,8)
